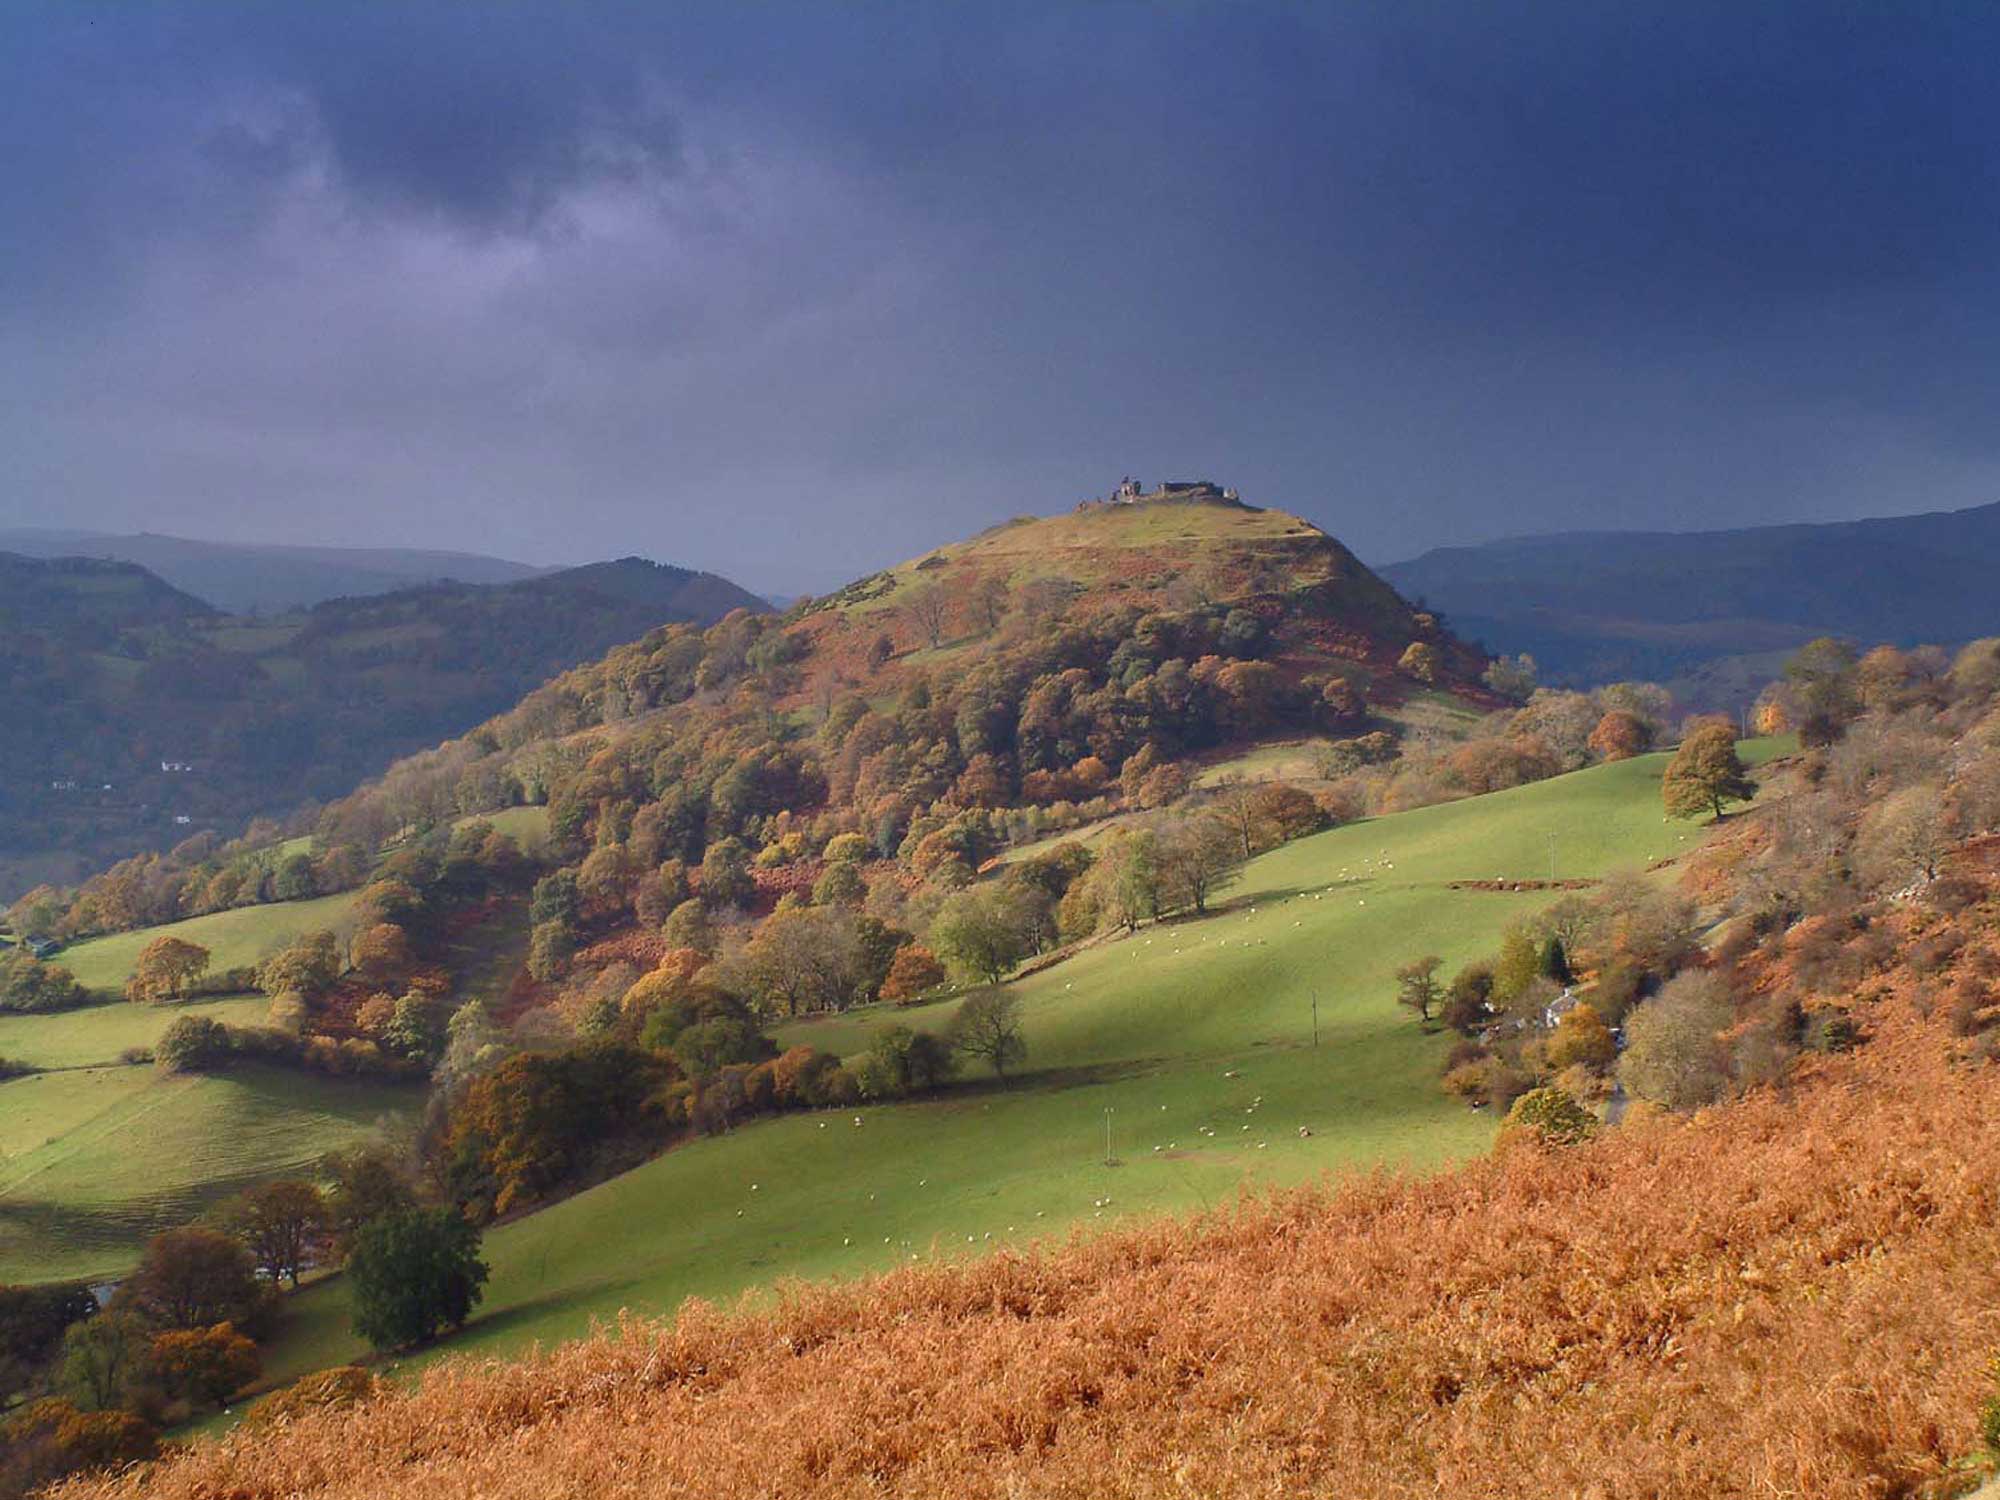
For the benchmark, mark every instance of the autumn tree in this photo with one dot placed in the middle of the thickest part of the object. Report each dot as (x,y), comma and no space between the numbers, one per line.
(799,961)
(989,598)
(1673,1055)
(1418,989)
(1421,661)
(914,971)
(1618,736)
(1581,1037)
(192,1278)
(167,968)
(1193,856)
(1511,677)
(280,1223)
(1905,838)
(204,1364)
(1705,773)
(987,1026)
(381,954)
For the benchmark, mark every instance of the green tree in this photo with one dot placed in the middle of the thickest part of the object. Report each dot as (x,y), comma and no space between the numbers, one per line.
(1549,1116)
(30,986)
(413,1272)
(363,1184)
(986,929)
(1517,967)
(1705,773)
(194,1044)
(309,966)
(725,875)
(101,1358)
(688,926)
(1820,675)
(840,885)
(987,1026)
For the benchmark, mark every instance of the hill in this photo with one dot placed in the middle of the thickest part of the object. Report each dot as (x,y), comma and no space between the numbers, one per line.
(1791,1291)
(1594,607)
(151,718)
(87,601)
(247,578)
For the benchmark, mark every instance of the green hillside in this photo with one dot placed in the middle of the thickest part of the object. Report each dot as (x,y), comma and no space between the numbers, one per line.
(234,939)
(156,718)
(94,1160)
(96,1154)
(1196,1038)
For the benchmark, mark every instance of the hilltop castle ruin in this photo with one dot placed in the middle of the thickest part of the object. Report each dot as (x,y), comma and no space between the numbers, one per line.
(1131,492)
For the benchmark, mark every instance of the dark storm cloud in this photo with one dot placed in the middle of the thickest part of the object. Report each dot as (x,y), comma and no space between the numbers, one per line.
(788,291)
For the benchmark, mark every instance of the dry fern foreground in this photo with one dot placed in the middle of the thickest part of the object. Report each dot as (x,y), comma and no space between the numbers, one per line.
(1789,1296)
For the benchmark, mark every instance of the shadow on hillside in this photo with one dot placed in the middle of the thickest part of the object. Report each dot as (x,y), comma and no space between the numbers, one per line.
(1240,902)
(966,1090)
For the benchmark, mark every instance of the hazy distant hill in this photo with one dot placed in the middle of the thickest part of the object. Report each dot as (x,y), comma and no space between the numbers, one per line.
(241,577)
(137,706)
(82,597)
(1596,606)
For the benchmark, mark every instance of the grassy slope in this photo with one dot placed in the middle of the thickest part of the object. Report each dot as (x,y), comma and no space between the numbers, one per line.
(94,1160)
(1135,1027)
(96,1034)
(233,939)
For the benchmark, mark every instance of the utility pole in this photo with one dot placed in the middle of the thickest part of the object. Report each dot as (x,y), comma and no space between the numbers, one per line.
(1107,1135)
(1315,995)
(1552,859)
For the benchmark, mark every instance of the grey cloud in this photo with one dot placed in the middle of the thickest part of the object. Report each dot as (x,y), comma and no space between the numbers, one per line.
(789,291)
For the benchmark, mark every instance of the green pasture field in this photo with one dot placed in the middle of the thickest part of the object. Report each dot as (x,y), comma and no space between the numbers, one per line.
(234,939)
(93,1160)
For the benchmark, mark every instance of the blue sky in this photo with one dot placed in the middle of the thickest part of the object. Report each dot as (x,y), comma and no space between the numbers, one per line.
(792,291)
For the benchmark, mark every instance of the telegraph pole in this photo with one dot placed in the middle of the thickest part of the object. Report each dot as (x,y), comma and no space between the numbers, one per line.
(1315,996)
(1107,1135)
(1552,859)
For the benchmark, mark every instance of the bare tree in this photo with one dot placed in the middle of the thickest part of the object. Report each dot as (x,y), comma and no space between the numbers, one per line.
(929,607)
(988,1027)
(990,600)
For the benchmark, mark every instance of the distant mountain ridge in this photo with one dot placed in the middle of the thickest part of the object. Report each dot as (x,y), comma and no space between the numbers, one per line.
(241,577)
(151,716)
(1596,606)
